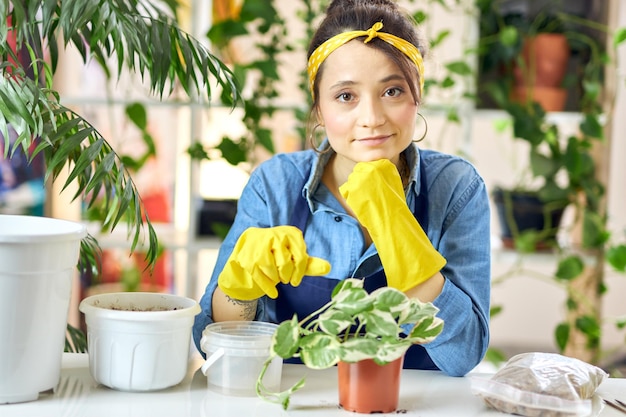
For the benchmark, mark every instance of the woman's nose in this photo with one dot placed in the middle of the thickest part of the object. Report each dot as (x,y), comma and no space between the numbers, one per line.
(371,113)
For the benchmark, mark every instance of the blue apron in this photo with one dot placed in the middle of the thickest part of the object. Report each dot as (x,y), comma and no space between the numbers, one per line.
(313,292)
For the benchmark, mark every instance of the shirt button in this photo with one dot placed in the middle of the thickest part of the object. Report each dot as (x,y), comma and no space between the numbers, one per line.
(337,219)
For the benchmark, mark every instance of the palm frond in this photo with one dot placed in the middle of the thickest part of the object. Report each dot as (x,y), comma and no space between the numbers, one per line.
(143,37)
(69,142)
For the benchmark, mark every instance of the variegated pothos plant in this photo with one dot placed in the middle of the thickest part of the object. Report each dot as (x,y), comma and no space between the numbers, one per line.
(354,325)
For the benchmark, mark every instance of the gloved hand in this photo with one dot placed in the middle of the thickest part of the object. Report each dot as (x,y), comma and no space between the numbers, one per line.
(263,257)
(374,192)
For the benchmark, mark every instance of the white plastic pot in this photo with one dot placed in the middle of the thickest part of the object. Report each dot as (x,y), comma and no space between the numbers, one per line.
(38,256)
(138,341)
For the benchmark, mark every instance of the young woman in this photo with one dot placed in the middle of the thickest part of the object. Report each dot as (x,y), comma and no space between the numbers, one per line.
(366,203)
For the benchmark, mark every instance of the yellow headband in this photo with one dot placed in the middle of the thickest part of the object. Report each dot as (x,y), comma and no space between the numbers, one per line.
(321,52)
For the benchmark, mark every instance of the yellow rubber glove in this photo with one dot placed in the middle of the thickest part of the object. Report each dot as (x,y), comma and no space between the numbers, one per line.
(264,257)
(374,192)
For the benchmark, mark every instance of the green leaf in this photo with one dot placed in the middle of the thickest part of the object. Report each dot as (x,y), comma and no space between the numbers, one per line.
(389,299)
(494,311)
(233,152)
(447,82)
(352,301)
(619,37)
(590,327)
(441,36)
(616,255)
(320,351)
(222,32)
(196,151)
(526,241)
(136,112)
(426,330)
(561,334)
(460,68)
(335,322)
(495,356)
(389,352)
(416,311)
(264,138)
(593,229)
(591,126)
(285,340)
(357,349)
(570,268)
(509,36)
(380,323)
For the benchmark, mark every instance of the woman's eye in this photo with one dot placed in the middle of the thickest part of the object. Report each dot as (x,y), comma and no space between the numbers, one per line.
(393,92)
(344,97)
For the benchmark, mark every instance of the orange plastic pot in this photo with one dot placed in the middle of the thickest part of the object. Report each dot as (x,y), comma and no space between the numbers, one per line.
(366,387)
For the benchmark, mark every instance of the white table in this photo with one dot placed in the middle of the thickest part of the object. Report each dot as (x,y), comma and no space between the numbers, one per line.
(423,393)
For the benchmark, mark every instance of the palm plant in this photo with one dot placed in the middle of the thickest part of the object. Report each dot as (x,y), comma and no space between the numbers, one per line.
(141,36)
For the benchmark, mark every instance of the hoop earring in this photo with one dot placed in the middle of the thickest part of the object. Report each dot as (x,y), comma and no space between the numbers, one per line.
(312,141)
(425,130)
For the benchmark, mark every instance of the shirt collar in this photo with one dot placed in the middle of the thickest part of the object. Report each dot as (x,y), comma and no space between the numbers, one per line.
(326,152)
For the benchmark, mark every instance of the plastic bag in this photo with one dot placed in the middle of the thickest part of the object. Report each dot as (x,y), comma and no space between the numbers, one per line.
(539,384)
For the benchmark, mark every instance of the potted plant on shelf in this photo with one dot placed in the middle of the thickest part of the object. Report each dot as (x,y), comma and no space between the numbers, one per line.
(569,168)
(141,37)
(371,331)
(556,165)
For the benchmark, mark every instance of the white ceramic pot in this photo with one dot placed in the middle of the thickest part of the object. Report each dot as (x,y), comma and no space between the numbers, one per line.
(138,341)
(38,256)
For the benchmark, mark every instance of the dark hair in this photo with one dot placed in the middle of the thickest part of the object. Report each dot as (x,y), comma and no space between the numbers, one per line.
(347,15)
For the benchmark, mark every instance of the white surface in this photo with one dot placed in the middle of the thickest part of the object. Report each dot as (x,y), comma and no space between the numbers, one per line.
(423,393)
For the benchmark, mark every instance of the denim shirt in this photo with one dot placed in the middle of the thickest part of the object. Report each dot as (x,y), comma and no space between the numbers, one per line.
(459,222)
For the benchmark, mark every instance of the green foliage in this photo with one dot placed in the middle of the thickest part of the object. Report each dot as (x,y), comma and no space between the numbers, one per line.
(354,325)
(261,76)
(75,341)
(562,170)
(143,38)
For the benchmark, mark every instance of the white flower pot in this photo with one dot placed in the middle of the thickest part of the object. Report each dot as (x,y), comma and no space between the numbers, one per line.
(38,256)
(138,341)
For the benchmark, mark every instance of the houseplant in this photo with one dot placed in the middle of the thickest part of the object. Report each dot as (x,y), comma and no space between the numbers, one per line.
(139,36)
(556,165)
(353,326)
(570,170)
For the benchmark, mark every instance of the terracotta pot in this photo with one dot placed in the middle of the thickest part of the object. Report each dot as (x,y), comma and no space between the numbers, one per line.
(366,387)
(550,98)
(545,58)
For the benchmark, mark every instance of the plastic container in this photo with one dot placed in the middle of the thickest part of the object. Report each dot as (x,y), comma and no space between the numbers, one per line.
(236,351)
(38,258)
(138,341)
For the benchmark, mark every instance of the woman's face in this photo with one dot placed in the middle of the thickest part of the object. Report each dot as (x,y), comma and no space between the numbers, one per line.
(365,104)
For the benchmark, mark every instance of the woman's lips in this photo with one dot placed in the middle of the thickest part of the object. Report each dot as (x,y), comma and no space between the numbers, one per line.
(374,140)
